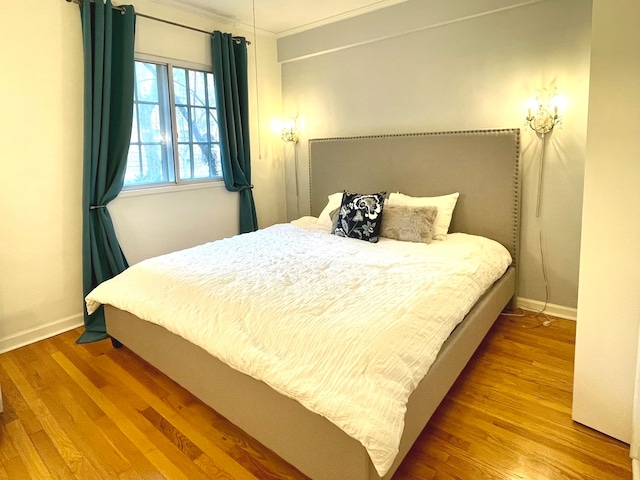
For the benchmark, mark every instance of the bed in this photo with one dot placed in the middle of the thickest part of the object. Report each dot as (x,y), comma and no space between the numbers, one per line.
(483,166)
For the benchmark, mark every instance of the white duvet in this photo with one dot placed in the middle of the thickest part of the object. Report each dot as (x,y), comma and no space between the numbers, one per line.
(345,327)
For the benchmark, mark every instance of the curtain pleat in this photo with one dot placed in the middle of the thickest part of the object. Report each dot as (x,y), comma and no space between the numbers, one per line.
(232,101)
(108,45)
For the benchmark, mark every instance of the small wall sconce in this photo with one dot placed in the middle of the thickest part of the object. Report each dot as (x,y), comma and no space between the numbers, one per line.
(543,116)
(287,130)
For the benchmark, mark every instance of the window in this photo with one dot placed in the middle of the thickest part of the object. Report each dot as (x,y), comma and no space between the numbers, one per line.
(174,137)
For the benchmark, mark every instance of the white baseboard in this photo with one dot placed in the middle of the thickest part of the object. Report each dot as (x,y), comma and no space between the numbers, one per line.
(635,466)
(41,332)
(560,311)
(56,327)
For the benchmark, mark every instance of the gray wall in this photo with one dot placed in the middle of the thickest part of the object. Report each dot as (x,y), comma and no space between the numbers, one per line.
(428,65)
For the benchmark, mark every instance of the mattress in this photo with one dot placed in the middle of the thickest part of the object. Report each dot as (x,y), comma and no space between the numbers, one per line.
(345,327)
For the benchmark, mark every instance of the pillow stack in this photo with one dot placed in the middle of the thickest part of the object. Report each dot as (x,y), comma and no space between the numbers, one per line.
(400,217)
(444,203)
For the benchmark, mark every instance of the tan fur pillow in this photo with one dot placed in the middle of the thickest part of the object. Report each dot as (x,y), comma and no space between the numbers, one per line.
(407,223)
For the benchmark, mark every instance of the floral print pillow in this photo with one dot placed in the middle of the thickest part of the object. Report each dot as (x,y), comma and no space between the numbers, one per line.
(359,216)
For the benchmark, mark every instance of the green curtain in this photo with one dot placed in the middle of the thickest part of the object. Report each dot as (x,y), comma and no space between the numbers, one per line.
(107,35)
(232,100)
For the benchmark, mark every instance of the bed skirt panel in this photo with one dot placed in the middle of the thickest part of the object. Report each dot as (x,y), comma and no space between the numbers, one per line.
(312,443)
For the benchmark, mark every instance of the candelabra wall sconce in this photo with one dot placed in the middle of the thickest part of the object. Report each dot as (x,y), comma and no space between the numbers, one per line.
(289,134)
(542,114)
(288,130)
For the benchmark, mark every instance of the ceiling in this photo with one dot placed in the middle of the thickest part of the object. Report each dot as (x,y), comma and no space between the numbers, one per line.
(282,17)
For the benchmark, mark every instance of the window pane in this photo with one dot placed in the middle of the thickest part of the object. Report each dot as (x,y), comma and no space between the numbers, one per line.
(201,160)
(150,158)
(211,90)
(149,118)
(134,166)
(134,125)
(197,125)
(197,88)
(213,125)
(216,165)
(146,81)
(182,119)
(152,167)
(145,164)
(184,154)
(180,85)
(199,128)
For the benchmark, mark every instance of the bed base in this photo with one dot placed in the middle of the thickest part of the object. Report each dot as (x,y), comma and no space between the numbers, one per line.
(306,440)
(484,167)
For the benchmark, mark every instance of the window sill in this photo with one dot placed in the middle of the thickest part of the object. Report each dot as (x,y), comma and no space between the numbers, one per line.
(175,188)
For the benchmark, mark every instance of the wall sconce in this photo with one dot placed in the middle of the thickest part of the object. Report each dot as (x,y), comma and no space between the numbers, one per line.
(287,130)
(543,116)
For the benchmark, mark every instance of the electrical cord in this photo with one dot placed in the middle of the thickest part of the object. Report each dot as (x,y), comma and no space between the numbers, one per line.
(295,164)
(543,260)
(548,320)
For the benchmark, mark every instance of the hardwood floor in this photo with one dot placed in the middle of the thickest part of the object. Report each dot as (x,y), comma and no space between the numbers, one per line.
(93,412)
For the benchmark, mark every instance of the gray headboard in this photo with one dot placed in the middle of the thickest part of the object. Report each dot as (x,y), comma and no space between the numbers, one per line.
(483,165)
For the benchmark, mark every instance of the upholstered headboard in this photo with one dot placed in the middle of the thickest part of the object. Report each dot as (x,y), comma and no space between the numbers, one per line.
(482,165)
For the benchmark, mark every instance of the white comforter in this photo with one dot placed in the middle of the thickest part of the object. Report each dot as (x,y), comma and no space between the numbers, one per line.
(345,327)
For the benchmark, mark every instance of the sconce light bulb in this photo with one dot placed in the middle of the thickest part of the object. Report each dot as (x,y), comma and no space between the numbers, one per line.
(558,102)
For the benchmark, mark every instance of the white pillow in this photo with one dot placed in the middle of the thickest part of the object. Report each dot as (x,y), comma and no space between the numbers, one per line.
(335,200)
(445,204)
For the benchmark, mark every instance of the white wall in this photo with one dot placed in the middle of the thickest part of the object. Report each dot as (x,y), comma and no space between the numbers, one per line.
(154,222)
(144,218)
(609,306)
(40,183)
(41,144)
(423,66)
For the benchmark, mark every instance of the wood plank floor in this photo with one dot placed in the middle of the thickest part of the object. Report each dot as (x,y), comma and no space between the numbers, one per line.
(93,412)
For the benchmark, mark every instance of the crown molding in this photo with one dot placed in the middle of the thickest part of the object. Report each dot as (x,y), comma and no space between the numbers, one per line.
(336,18)
(215,16)
(219,16)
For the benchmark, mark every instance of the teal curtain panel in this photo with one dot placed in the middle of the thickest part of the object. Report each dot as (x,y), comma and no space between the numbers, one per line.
(108,43)
(232,100)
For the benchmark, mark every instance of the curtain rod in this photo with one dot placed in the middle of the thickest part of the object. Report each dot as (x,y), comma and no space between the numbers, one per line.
(162,20)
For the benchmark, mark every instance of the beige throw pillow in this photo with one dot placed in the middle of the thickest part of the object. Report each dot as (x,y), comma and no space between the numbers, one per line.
(445,204)
(408,223)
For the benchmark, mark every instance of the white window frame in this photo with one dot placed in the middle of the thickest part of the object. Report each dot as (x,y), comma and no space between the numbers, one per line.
(177,184)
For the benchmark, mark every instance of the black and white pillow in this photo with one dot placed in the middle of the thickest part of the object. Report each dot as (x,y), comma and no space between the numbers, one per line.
(359,216)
